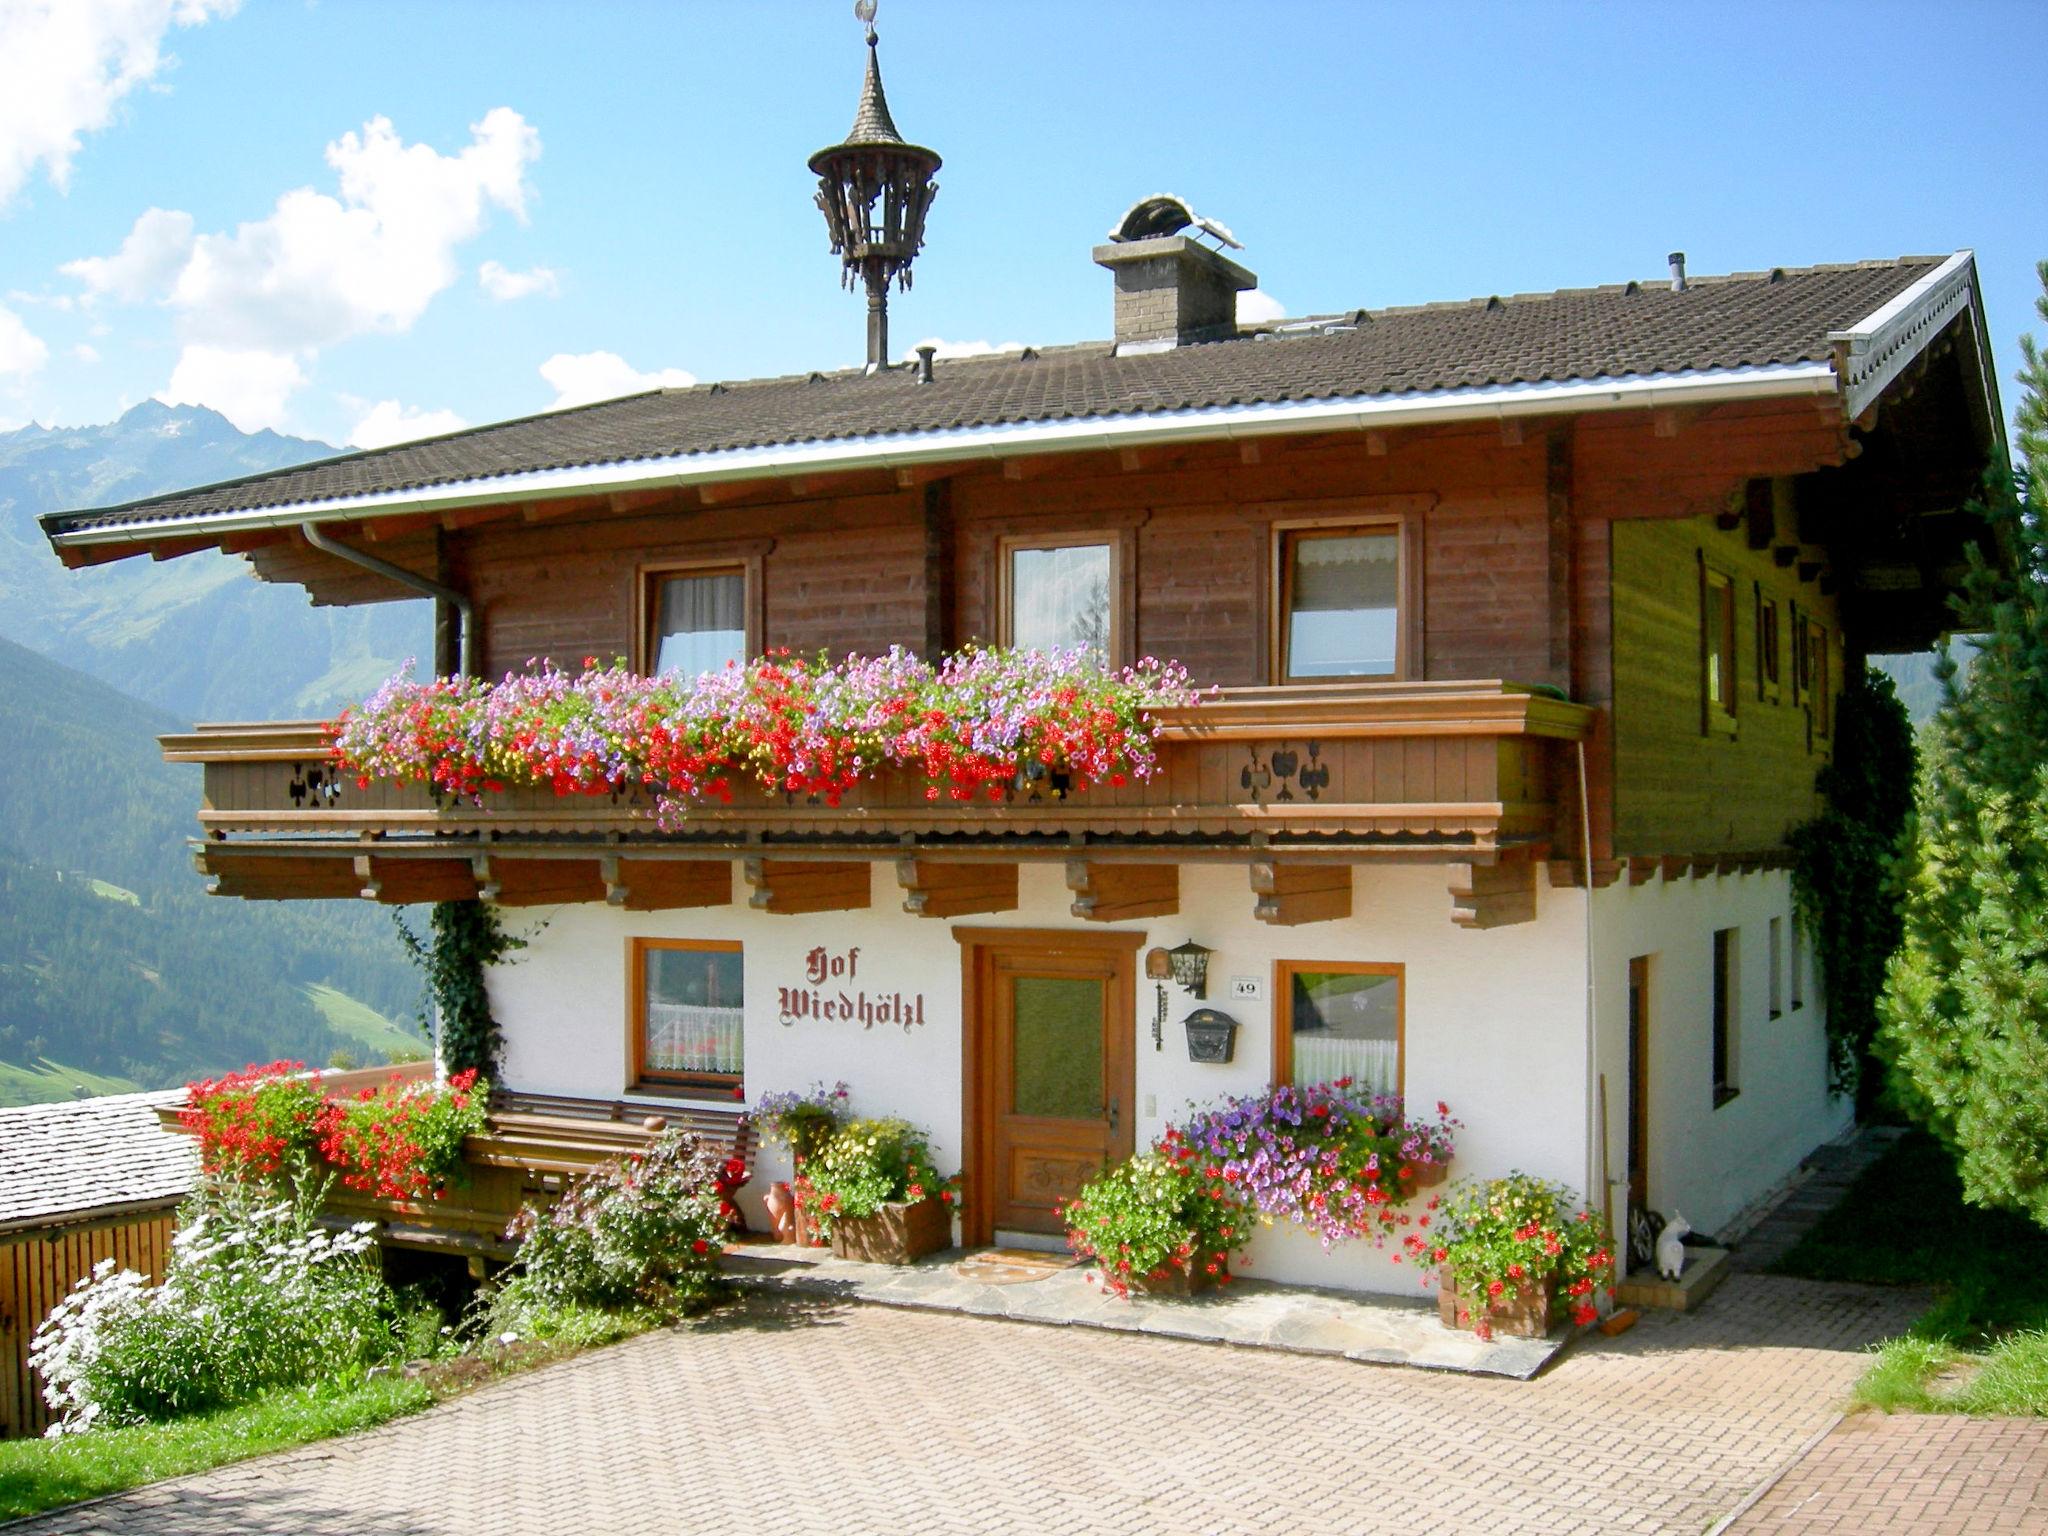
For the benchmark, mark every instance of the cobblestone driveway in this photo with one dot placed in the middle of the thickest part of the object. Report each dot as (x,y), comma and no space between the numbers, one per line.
(793,1416)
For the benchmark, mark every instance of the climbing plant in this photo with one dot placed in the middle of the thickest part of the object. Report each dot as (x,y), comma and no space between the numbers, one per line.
(465,940)
(1847,890)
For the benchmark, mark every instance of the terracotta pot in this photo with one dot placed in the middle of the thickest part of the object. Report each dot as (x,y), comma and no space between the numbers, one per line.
(781,1205)
(1526,1311)
(898,1233)
(1428,1175)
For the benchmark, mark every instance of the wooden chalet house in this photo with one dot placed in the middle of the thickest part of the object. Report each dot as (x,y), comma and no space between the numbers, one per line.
(1527,616)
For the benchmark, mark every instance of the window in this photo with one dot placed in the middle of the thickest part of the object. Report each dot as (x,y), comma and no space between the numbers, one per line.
(1717,650)
(1335,1019)
(697,620)
(1340,603)
(1777,960)
(1060,595)
(1767,648)
(688,1000)
(1820,695)
(1727,999)
(1797,979)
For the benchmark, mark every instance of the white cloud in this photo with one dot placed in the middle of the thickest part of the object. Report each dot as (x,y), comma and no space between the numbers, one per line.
(86,353)
(22,352)
(156,248)
(388,422)
(948,349)
(249,386)
(64,67)
(504,285)
(321,269)
(1255,306)
(581,377)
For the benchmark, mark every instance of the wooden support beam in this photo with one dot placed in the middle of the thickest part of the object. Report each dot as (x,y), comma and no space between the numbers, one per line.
(381,530)
(1784,555)
(1510,432)
(1029,468)
(1493,895)
(790,886)
(1572,873)
(486,883)
(1109,893)
(544,882)
(78,556)
(366,877)
(614,886)
(170,549)
(1674,867)
(1665,423)
(1643,871)
(455,519)
(657,885)
(1287,895)
(1376,445)
(255,538)
(934,888)
(911,476)
(728,491)
(1247,453)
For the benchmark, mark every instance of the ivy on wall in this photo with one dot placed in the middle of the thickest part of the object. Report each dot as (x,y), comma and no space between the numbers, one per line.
(1847,890)
(466,940)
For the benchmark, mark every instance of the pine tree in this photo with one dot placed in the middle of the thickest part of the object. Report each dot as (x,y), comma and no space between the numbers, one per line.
(1966,1004)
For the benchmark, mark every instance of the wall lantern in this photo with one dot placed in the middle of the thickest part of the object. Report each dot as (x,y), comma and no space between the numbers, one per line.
(1212,1036)
(1191,966)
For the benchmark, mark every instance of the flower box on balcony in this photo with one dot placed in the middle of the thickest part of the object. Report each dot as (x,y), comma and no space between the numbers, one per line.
(900,1232)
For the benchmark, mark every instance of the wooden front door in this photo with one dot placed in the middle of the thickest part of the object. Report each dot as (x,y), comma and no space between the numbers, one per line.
(1639,1084)
(1051,1102)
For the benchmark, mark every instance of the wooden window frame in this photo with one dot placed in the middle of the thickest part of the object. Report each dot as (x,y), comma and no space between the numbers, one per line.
(748,560)
(1118,541)
(1718,714)
(694,1085)
(1407,534)
(1284,972)
(1769,649)
(1724,1025)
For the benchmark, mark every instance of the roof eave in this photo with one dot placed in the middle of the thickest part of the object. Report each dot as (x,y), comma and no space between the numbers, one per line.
(969,444)
(1873,353)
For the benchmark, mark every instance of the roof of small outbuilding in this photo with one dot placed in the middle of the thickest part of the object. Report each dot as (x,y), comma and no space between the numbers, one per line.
(63,1163)
(1745,320)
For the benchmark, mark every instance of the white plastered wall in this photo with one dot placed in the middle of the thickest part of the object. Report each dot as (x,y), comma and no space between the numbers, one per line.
(1710,1163)
(1495,1020)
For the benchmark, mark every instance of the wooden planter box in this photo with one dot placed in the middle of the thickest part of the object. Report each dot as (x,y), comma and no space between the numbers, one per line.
(896,1234)
(1526,1311)
(1178,1282)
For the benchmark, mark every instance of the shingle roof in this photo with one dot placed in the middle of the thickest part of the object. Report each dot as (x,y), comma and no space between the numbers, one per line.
(62,1162)
(1622,331)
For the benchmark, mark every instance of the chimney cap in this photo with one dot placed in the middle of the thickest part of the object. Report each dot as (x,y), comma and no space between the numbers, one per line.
(1163,214)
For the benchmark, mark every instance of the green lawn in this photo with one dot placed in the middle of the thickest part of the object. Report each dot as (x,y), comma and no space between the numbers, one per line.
(51,1082)
(42,1474)
(379,1036)
(1983,1346)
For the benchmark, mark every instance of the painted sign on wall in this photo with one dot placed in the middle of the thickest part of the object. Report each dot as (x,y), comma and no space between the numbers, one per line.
(829,992)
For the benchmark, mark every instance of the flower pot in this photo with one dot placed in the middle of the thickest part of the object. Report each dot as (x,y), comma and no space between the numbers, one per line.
(1428,1175)
(781,1211)
(805,1225)
(898,1233)
(1525,1311)
(1177,1282)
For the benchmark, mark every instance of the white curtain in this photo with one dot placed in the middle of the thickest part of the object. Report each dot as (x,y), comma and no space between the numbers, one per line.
(701,622)
(688,1037)
(1060,598)
(1345,600)
(1374,1066)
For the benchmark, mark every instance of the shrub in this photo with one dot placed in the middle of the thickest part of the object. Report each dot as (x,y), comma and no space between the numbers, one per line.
(1152,1217)
(640,1230)
(255,1296)
(1499,1233)
(868,1164)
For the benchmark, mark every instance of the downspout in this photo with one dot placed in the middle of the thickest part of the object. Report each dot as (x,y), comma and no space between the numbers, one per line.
(466,615)
(1596,1202)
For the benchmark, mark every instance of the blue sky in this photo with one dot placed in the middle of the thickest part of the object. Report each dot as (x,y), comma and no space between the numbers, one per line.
(371,217)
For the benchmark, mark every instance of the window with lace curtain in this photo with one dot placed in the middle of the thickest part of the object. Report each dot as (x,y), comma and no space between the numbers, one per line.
(1340,603)
(688,1015)
(1338,1019)
(697,620)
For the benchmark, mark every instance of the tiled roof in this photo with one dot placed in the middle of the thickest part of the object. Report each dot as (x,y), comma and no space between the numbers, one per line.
(61,1162)
(1624,331)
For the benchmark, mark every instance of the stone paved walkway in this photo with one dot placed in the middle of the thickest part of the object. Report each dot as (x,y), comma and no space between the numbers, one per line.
(1930,1474)
(790,1414)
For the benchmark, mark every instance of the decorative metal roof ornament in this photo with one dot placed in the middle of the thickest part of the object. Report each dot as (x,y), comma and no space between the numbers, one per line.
(874,190)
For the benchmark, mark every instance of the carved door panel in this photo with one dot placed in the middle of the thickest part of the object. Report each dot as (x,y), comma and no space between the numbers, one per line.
(1057,1091)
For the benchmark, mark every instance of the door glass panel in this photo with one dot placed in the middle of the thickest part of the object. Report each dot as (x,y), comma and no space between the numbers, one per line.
(1057,1045)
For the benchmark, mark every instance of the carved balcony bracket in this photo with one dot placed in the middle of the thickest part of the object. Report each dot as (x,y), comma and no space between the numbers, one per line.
(932,888)
(1290,894)
(792,886)
(366,874)
(1110,893)
(1493,895)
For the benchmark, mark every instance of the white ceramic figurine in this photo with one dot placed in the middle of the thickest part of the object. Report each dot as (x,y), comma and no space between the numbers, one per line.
(1671,1247)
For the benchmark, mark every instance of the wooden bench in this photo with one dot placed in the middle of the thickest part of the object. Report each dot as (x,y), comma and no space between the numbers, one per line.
(559,1134)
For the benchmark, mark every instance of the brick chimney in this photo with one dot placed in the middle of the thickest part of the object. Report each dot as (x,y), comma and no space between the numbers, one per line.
(1170,290)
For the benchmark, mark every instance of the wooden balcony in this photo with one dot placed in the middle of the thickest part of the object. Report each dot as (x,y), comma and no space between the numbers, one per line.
(532,1148)
(1462,772)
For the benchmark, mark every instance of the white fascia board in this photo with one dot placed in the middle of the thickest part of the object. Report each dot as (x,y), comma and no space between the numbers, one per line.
(1878,348)
(905,449)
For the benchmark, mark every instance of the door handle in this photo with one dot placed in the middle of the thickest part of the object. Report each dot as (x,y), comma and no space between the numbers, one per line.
(1116,1113)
